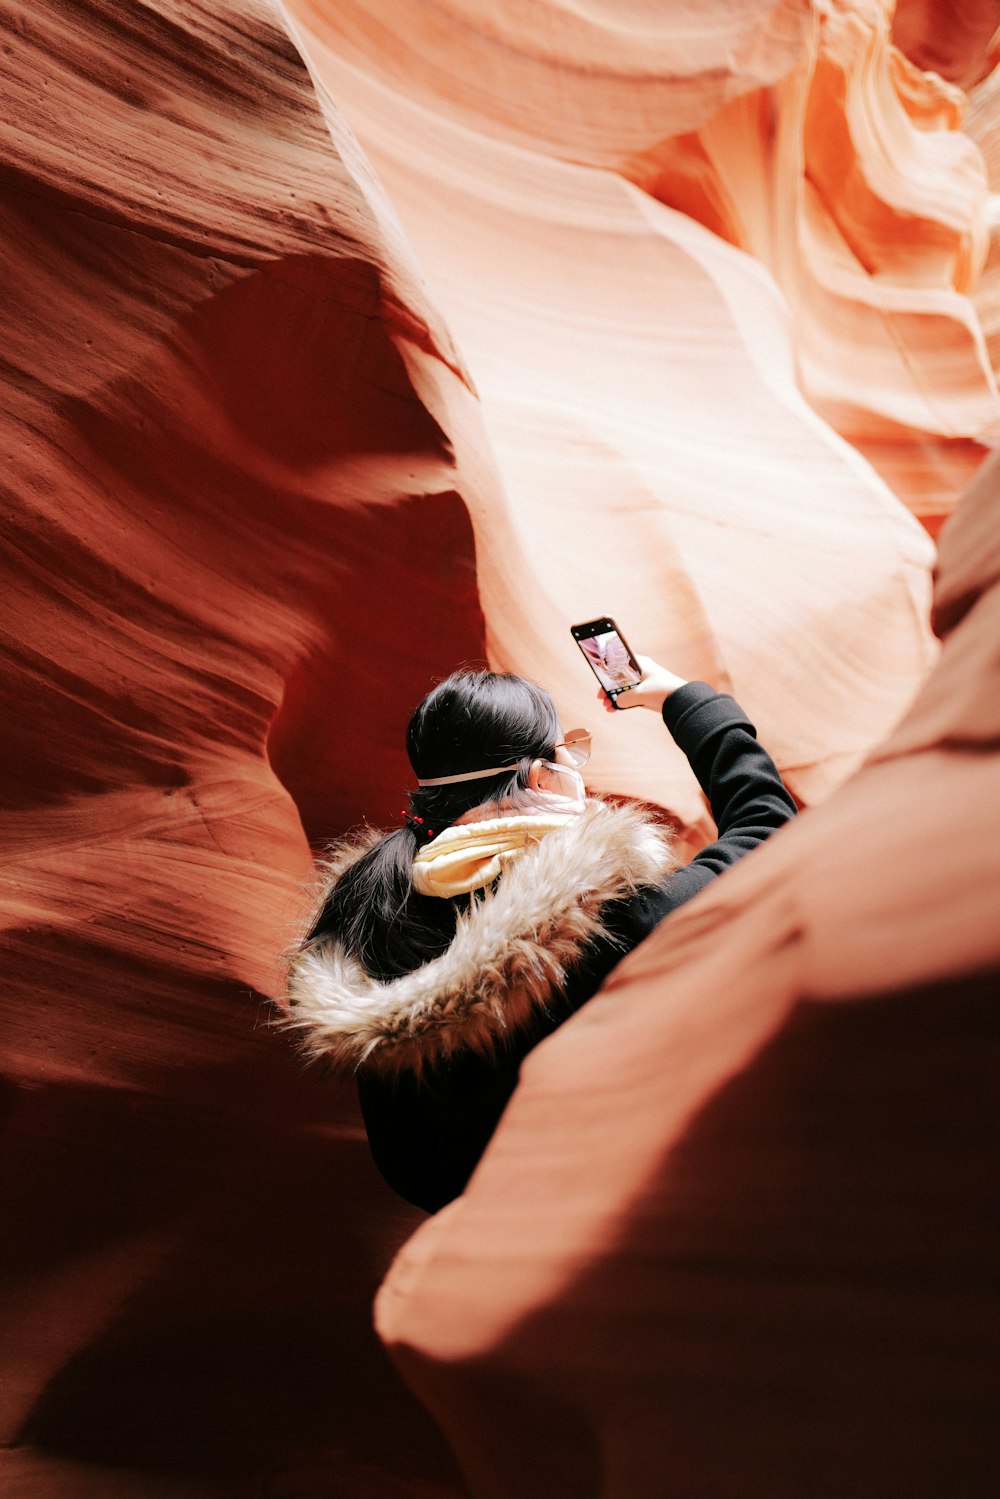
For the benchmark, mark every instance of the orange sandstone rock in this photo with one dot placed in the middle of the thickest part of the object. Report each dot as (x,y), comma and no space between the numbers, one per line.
(796,131)
(268,473)
(236,547)
(736,1232)
(956,38)
(983,125)
(638,386)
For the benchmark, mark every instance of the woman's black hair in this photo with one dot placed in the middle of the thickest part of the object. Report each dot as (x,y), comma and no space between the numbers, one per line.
(470,721)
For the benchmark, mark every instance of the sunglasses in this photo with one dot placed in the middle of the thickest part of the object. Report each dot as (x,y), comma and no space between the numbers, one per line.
(577,746)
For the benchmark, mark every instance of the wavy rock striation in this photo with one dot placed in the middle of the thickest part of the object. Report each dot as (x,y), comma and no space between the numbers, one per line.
(736,1232)
(219,603)
(983,125)
(956,38)
(286,437)
(637,376)
(795,130)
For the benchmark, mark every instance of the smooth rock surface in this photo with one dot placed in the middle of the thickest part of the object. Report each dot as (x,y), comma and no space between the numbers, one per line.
(289,430)
(638,383)
(955,38)
(736,1233)
(217,471)
(794,129)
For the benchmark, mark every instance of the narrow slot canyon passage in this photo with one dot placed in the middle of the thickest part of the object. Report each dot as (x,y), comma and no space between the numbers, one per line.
(348,343)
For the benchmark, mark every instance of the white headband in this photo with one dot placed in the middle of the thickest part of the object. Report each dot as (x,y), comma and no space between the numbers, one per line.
(470,775)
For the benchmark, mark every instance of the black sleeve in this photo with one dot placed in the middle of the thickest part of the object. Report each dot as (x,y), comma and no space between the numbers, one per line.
(743,785)
(746,795)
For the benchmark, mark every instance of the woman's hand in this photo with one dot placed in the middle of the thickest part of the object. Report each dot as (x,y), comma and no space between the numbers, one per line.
(652,691)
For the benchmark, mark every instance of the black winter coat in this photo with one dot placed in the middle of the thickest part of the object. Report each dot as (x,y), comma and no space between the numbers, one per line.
(437,1052)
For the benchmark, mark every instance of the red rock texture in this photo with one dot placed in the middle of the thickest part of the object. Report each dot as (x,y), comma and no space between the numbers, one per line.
(955,38)
(267,474)
(217,472)
(736,1233)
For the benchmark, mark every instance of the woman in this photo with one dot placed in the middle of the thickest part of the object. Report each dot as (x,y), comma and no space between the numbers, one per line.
(444,951)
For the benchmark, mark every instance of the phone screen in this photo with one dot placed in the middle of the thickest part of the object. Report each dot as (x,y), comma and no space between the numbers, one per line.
(610,659)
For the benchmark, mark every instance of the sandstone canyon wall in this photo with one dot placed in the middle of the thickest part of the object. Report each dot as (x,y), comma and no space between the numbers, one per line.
(316,383)
(217,472)
(793,129)
(735,1237)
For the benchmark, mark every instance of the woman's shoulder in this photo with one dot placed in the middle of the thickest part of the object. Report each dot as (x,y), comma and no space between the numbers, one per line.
(510,954)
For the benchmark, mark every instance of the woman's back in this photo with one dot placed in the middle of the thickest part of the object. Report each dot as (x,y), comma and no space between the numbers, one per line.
(435,999)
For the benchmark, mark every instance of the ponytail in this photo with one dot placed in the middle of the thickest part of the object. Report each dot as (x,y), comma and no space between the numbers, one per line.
(374,911)
(472,720)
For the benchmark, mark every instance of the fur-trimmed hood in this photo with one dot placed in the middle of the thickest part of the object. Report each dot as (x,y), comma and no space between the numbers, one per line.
(509,955)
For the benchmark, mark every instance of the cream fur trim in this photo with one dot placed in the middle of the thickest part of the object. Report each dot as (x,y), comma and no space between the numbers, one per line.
(509,955)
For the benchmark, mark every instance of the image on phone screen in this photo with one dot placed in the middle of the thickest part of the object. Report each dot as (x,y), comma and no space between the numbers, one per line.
(609,657)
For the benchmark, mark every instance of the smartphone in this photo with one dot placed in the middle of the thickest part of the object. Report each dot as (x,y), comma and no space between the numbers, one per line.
(608,656)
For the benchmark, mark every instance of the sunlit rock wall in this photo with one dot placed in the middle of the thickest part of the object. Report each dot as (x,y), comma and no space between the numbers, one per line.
(736,1233)
(793,129)
(666,244)
(314,387)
